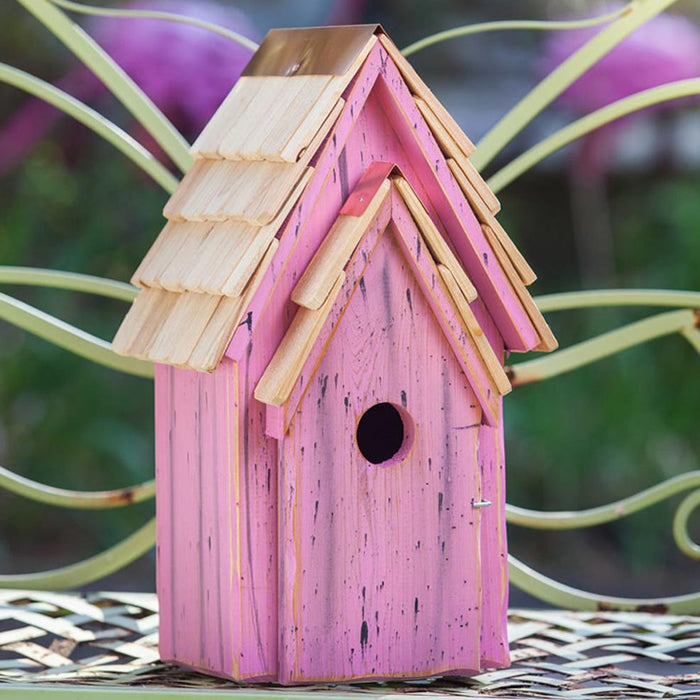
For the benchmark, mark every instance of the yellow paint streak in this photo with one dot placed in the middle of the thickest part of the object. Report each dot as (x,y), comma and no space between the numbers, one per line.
(233,468)
(296,607)
(427,673)
(477,540)
(500,462)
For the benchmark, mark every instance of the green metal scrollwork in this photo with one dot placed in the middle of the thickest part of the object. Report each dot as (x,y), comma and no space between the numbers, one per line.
(563,596)
(680,525)
(685,323)
(65,498)
(88,570)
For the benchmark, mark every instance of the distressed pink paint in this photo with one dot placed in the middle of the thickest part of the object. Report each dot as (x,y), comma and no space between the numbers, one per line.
(383,560)
(493,553)
(282,553)
(216,529)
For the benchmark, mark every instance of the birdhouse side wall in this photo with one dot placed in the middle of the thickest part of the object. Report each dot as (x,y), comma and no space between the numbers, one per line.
(493,548)
(216,528)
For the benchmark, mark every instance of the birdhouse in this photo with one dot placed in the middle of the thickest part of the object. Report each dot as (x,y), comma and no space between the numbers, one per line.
(329,306)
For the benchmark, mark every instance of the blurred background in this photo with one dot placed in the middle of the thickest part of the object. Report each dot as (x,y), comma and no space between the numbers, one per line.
(619,209)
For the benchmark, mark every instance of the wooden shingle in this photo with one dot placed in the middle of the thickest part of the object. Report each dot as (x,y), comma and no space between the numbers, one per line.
(217,190)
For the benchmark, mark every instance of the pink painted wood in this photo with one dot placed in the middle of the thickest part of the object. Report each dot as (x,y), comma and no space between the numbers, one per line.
(493,550)
(452,209)
(462,345)
(219,541)
(380,564)
(353,273)
(216,524)
(309,221)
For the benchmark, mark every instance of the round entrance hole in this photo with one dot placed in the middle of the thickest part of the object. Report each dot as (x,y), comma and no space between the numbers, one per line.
(384,434)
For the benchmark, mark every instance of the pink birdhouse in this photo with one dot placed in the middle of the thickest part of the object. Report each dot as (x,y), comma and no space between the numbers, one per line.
(329,306)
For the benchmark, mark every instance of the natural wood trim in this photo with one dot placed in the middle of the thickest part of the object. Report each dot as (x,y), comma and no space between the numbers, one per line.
(143,321)
(333,254)
(277,382)
(437,245)
(182,328)
(418,87)
(212,344)
(491,361)
(474,176)
(547,340)
(485,216)
(451,149)
(306,152)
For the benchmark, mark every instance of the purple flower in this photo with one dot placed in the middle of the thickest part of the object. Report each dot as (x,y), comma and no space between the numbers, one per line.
(187,71)
(664,49)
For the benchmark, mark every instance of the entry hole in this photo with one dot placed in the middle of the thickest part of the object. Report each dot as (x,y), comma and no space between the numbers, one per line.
(383,434)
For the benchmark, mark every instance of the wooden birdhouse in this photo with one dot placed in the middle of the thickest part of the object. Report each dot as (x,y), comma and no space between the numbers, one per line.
(328,307)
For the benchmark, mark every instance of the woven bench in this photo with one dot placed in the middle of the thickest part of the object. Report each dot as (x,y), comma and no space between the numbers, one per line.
(102,645)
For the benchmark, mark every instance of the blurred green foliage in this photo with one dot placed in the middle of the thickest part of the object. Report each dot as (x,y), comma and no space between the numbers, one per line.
(586,438)
(627,422)
(66,421)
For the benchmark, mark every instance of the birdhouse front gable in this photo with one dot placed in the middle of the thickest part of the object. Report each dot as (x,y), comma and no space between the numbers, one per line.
(330,486)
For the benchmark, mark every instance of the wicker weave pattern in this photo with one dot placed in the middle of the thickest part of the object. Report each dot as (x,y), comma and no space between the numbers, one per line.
(112,638)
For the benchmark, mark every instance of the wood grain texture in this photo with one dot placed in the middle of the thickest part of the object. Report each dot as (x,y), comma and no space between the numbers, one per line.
(446,314)
(547,340)
(226,259)
(361,135)
(485,215)
(447,204)
(318,121)
(493,363)
(228,315)
(215,553)
(420,89)
(258,117)
(281,374)
(170,274)
(274,117)
(279,107)
(182,328)
(216,190)
(206,145)
(271,310)
(369,138)
(474,177)
(380,569)
(186,329)
(165,250)
(344,570)
(325,267)
(438,246)
(353,278)
(142,322)
(451,149)
(493,549)
(453,152)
